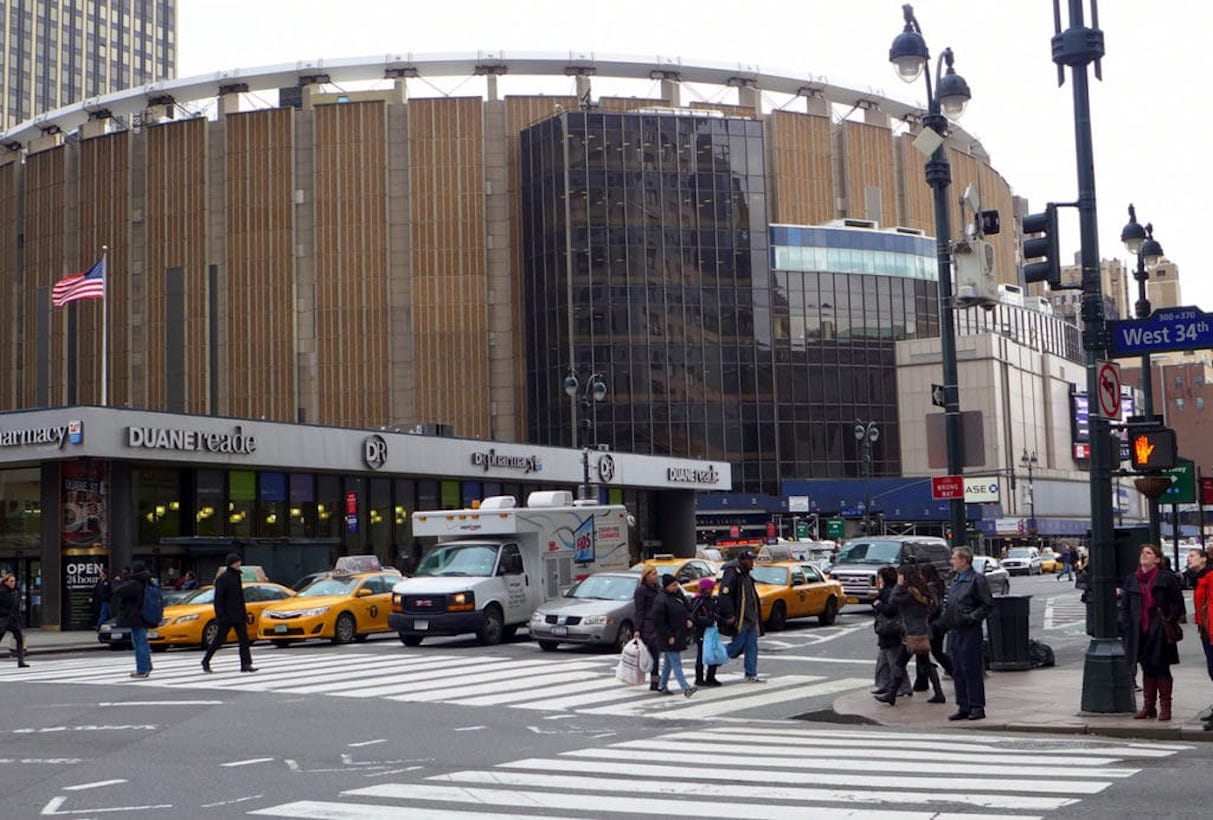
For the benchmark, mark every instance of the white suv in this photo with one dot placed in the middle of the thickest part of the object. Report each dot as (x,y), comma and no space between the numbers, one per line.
(1023,561)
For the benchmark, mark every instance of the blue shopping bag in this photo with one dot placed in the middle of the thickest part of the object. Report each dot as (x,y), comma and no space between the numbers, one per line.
(714,653)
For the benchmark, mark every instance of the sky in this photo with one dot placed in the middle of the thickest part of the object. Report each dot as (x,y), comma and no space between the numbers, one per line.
(1149,149)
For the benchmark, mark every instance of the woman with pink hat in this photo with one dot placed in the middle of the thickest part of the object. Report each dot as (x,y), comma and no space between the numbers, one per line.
(703,613)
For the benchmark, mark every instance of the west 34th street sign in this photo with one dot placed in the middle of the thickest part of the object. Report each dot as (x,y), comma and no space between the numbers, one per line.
(1172,329)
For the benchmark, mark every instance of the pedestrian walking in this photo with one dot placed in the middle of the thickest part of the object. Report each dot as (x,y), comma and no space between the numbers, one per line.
(1200,573)
(642,603)
(937,630)
(703,613)
(739,613)
(966,607)
(128,602)
(889,633)
(673,626)
(1067,565)
(230,614)
(99,599)
(10,614)
(912,602)
(1150,610)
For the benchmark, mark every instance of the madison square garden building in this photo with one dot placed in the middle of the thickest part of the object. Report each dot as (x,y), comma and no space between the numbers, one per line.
(373,254)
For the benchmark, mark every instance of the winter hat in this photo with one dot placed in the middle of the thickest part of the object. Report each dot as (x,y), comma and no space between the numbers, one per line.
(668,579)
(744,555)
(232,558)
(706,584)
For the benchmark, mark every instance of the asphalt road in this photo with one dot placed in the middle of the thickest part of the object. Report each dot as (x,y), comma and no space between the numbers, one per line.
(452,729)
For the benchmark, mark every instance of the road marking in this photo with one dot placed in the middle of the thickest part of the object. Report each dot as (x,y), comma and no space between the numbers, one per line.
(321,810)
(56,729)
(52,808)
(371,742)
(248,762)
(95,785)
(161,703)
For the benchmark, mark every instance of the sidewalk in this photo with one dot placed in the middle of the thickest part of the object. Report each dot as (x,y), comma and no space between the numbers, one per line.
(52,641)
(1047,700)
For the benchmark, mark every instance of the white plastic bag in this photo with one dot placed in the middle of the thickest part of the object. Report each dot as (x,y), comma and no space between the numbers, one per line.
(630,671)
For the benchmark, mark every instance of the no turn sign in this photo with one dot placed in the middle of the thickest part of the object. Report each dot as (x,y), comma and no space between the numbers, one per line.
(1108,392)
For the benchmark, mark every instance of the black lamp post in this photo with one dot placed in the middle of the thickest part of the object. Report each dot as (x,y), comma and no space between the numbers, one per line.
(866,433)
(945,101)
(595,390)
(1107,682)
(1028,460)
(1139,241)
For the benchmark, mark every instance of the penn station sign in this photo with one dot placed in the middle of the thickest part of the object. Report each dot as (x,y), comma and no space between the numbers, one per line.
(236,442)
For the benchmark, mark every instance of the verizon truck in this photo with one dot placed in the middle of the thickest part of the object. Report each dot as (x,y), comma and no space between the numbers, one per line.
(492,566)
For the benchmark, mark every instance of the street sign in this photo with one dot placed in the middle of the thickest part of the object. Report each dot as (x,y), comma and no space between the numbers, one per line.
(835,528)
(947,487)
(938,397)
(981,490)
(1183,484)
(1109,390)
(1180,328)
(798,503)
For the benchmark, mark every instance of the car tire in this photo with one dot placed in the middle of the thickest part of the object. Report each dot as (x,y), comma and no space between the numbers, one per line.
(493,627)
(281,644)
(361,638)
(159,648)
(345,630)
(830,613)
(411,640)
(116,647)
(208,634)
(549,646)
(779,617)
(624,636)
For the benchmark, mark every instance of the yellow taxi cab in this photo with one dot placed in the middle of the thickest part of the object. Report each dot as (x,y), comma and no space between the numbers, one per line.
(1050,561)
(192,622)
(688,571)
(348,604)
(796,589)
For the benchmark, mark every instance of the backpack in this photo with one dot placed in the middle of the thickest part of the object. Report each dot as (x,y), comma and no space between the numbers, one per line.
(151,609)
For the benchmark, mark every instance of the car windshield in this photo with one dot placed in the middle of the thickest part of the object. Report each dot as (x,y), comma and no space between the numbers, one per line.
(871,552)
(180,596)
(332,585)
(465,559)
(605,588)
(202,596)
(770,575)
(1020,552)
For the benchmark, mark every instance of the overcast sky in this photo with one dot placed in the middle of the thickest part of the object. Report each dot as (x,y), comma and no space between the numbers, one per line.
(1150,149)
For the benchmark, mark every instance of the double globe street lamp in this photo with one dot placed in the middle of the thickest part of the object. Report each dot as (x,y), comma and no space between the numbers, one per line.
(593,392)
(1029,461)
(946,101)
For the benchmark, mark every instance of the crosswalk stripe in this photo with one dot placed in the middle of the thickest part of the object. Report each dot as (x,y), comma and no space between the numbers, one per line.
(887,764)
(712,703)
(379,674)
(580,687)
(444,682)
(935,781)
(764,792)
(326,810)
(530,680)
(631,804)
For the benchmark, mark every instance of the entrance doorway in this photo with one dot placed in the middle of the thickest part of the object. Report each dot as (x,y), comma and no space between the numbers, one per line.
(29,584)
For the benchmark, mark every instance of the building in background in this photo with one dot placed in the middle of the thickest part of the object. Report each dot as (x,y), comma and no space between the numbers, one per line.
(57,53)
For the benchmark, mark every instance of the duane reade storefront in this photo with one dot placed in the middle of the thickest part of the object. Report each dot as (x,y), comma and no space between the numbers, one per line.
(82,488)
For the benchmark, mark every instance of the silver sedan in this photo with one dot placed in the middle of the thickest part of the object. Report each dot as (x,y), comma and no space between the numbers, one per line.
(996,575)
(597,610)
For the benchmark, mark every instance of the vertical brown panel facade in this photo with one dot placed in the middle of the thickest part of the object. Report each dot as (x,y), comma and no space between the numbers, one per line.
(450,308)
(351,264)
(800,190)
(259,282)
(176,237)
(869,164)
(105,218)
(10,337)
(45,180)
(919,208)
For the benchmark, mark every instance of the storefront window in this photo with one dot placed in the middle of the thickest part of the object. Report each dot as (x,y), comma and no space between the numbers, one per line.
(20,511)
(209,504)
(330,510)
(302,509)
(272,508)
(158,501)
(241,501)
(380,520)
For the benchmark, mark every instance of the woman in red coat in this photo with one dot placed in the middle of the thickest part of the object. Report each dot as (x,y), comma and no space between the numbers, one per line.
(1200,573)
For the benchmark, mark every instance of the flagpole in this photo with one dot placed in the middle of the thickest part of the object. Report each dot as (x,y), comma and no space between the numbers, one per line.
(105,310)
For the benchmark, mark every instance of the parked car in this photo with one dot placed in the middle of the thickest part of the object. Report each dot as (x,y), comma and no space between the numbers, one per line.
(1023,561)
(597,610)
(796,589)
(688,571)
(997,576)
(860,558)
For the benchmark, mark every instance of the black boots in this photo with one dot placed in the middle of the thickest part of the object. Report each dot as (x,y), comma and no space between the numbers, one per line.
(654,683)
(938,697)
(710,680)
(21,655)
(699,674)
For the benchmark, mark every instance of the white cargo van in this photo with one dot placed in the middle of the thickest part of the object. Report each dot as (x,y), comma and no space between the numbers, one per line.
(492,566)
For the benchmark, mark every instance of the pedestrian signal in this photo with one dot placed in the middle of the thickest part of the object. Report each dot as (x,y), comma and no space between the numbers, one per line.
(1151,450)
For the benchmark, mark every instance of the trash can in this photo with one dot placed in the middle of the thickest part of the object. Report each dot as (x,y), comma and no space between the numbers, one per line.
(1008,625)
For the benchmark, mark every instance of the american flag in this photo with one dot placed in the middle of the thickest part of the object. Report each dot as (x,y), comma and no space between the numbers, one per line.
(87,285)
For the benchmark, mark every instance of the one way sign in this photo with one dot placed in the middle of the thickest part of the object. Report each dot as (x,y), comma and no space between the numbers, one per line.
(937,397)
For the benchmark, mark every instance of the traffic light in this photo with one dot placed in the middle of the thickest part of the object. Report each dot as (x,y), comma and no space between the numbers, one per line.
(1043,247)
(1153,450)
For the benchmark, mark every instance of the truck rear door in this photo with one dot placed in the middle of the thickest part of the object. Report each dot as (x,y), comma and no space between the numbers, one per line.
(512,571)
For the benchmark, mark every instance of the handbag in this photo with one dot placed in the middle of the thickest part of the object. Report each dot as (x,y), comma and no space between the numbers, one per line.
(1172,630)
(918,644)
(714,653)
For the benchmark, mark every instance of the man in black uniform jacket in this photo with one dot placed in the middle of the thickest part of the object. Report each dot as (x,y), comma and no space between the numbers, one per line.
(230,614)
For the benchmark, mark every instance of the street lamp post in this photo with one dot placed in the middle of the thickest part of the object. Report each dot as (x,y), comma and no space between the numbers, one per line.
(1139,241)
(595,390)
(866,433)
(945,101)
(1107,683)
(1028,460)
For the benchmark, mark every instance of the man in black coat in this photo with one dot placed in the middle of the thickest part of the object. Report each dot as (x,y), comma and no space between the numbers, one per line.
(230,613)
(127,598)
(966,608)
(740,613)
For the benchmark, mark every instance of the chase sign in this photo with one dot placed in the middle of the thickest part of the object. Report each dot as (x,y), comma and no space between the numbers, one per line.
(981,490)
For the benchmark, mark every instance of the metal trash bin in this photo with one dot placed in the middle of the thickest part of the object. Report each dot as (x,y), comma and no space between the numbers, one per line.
(1008,628)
